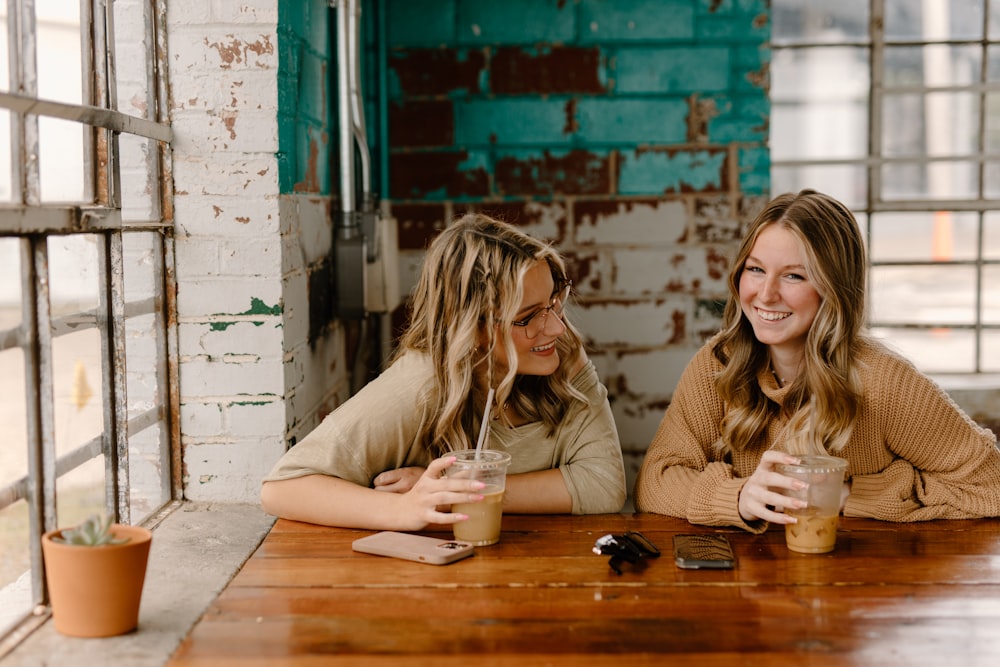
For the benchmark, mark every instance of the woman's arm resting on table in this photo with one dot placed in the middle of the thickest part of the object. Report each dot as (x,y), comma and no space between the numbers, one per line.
(331,501)
(539,492)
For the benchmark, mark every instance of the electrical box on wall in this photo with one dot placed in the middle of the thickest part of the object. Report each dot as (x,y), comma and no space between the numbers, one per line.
(382,274)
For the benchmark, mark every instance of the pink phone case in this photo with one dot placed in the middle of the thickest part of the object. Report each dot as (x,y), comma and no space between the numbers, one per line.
(432,550)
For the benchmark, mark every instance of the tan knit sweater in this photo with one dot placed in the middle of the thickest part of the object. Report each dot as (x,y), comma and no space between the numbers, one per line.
(913,454)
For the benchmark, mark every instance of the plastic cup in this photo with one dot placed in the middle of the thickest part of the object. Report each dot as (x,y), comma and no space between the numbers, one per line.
(815,532)
(489,466)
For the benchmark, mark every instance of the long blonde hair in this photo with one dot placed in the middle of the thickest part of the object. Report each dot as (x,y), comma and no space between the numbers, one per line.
(824,399)
(469,292)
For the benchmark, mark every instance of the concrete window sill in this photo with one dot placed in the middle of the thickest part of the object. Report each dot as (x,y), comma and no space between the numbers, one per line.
(196,551)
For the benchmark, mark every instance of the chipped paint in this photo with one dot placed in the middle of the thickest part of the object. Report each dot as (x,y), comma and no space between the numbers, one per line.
(548,173)
(700,112)
(235,51)
(440,71)
(546,70)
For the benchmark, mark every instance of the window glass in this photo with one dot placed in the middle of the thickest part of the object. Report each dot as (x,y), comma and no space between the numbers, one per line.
(992,139)
(924,295)
(932,65)
(924,236)
(938,20)
(795,21)
(933,124)
(846,182)
(991,297)
(991,235)
(929,181)
(60,160)
(57,26)
(940,350)
(993,62)
(819,99)
(991,180)
(991,352)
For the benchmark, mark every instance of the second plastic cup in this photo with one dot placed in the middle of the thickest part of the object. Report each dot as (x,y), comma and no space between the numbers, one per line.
(816,529)
(489,466)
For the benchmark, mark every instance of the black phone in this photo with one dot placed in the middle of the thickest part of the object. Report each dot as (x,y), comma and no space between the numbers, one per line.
(703,552)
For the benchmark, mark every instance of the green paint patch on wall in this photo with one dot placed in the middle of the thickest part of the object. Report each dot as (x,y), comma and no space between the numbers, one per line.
(258,307)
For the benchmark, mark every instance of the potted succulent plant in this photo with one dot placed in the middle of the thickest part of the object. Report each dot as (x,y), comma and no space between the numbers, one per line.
(95,572)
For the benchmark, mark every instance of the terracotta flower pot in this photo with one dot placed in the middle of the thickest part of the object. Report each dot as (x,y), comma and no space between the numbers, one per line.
(95,591)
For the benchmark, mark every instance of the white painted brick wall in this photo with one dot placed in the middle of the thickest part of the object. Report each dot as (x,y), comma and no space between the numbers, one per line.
(250,380)
(639,223)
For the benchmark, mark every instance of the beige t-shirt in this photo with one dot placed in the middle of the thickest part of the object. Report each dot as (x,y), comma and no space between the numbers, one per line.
(375,431)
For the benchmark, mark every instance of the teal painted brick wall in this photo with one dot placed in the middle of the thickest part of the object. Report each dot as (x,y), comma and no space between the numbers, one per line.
(304,122)
(656,91)
(630,133)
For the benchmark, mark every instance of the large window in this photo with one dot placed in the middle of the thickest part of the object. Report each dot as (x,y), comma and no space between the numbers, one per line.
(85,269)
(893,106)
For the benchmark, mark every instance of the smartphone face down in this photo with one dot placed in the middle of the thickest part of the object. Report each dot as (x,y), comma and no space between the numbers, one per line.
(432,550)
(703,552)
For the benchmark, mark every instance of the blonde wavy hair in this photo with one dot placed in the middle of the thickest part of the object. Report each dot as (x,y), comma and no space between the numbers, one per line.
(824,399)
(469,292)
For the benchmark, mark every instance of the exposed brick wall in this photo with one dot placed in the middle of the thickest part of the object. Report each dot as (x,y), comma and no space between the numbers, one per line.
(632,134)
(260,359)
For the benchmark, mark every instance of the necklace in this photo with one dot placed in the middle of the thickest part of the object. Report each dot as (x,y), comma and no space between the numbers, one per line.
(780,381)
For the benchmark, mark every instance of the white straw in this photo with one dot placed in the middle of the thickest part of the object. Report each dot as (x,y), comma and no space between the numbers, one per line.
(486,422)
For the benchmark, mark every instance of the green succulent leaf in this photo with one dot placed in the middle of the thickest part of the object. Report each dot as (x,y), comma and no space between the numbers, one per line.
(93,532)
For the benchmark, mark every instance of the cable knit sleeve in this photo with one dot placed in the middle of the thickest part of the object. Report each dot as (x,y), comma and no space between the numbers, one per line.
(914,455)
(681,475)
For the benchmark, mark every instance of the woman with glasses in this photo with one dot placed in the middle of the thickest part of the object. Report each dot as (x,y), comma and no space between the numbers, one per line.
(487,312)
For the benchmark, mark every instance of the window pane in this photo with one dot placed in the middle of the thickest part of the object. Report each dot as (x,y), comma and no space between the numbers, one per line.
(993,62)
(991,294)
(991,180)
(933,124)
(929,295)
(848,183)
(991,236)
(60,158)
(819,103)
(933,65)
(939,20)
(991,352)
(937,180)
(58,42)
(6,186)
(992,138)
(933,350)
(797,21)
(924,236)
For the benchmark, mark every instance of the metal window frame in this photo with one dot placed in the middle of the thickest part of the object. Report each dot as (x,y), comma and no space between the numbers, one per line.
(34,222)
(875,161)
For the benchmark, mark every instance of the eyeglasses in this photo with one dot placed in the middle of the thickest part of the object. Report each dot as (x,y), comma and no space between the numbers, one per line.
(534,324)
(631,546)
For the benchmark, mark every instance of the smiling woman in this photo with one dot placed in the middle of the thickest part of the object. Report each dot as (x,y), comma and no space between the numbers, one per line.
(793,372)
(488,314)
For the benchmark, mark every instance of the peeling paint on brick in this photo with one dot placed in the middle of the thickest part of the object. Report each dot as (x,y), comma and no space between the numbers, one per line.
(761,78)
(546,70)
(576,172)
(572,124)
(258,307)
(310,180)
(421,123)
(235,51)
(437,175)
(700,112)
(417,224)
(437,71)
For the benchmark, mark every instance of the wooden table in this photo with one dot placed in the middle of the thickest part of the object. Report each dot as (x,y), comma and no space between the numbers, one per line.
(906,594)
